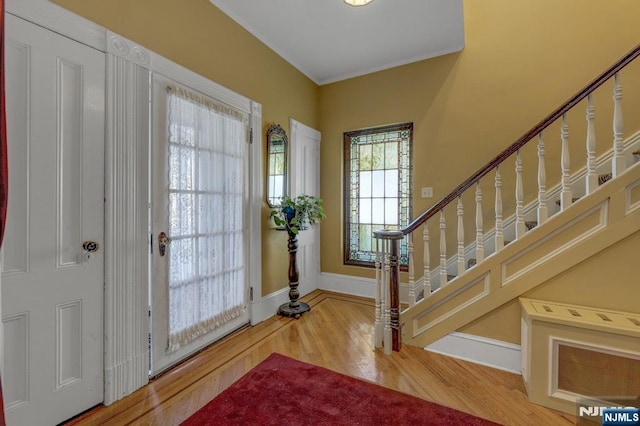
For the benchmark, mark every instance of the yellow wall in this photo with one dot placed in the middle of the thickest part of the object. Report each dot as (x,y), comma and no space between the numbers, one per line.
(197,35)
(521,60)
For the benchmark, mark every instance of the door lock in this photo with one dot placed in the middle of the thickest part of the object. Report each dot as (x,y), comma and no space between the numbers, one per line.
(89,247)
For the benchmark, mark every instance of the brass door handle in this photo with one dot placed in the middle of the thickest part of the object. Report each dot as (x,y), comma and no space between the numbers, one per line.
(90,246)
(163,242)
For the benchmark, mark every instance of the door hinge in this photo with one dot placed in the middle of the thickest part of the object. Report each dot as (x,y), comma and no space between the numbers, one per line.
(251,294)
(251,135)
(151,243)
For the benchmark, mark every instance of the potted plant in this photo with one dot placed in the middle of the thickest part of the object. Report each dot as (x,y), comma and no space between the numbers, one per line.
(294,214)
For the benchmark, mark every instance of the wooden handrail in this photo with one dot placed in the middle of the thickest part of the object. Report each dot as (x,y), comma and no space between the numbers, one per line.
(546,122)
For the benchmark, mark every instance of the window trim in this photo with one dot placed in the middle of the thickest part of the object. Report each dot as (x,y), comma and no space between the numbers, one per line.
(346,200)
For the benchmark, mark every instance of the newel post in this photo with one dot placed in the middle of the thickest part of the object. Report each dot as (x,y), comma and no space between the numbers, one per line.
(394,284)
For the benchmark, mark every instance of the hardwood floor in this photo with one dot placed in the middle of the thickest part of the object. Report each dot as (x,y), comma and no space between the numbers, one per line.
(336,334)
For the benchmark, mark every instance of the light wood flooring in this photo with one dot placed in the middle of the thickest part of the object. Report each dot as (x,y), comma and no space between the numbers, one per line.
(336,334)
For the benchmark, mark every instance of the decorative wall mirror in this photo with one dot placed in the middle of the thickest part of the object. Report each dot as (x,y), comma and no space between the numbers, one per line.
(276,164)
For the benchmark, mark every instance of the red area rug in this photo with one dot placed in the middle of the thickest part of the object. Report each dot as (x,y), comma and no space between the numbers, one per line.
(284,391)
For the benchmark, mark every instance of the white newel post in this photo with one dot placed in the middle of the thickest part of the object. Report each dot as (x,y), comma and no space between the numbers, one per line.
(591,180)
(388,345)
(543,212)
(618,165)
(126,211)
(378,325)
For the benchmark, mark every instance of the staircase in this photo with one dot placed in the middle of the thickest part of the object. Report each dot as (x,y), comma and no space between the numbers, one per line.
(568,214)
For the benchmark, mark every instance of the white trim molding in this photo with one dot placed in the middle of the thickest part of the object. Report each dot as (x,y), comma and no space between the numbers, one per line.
(57,19)
(256,195)
(126,228)
(479,350)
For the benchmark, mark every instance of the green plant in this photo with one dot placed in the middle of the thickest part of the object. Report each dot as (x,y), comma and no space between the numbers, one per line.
(297,213)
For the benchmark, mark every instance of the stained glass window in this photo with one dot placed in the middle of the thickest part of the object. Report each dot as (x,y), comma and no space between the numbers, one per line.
(377,189)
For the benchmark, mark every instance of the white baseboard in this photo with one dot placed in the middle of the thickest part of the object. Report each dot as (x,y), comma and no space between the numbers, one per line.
(267,306)
(347,284)
(480,350)
(355,286)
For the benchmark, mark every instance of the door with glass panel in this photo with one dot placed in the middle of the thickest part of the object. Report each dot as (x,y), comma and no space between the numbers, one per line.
(199,287)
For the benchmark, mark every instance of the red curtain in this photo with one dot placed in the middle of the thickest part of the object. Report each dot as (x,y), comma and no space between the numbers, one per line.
(4,175)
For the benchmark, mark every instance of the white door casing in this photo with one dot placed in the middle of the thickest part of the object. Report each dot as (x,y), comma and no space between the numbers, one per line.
(52,289)
(304,166)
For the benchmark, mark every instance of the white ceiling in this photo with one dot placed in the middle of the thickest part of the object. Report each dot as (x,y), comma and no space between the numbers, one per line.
(329,41)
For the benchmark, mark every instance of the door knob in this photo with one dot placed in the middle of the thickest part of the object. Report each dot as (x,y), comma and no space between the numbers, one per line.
(90,246)
(163,242)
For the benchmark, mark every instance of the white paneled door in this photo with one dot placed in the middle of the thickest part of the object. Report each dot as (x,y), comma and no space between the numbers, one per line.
(52,260)
(305,179)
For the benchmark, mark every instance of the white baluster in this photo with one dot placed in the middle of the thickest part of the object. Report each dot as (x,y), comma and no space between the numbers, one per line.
(378,324)
(426,262)
(388,340)
(498,211)
(618,165)
(443,250)
(520,227)
(543,212)
(479,225)
(565,193)
(412,282)
(591,180)
(460,212)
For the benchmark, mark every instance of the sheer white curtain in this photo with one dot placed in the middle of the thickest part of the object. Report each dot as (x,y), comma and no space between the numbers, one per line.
(206,173)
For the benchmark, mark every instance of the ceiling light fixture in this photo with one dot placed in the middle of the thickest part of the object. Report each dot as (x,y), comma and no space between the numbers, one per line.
(357,2)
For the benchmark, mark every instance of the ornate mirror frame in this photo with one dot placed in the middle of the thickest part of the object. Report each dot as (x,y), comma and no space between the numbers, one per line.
(277,149)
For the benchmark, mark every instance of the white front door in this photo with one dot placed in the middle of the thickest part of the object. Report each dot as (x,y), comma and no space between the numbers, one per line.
(305,179)
(52,288)
(199,284)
